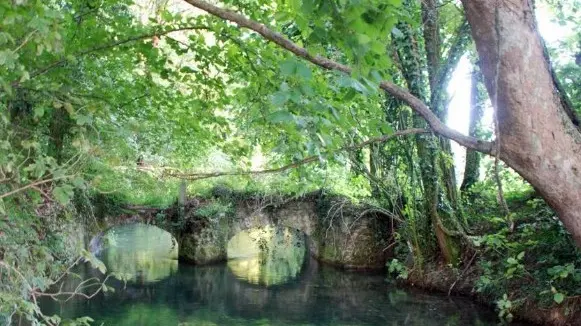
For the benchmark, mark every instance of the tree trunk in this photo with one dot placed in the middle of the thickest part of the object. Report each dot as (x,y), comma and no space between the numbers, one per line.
(427,147)
(472,166)
(182,199)
(439,73)
(374,170)
(537,137)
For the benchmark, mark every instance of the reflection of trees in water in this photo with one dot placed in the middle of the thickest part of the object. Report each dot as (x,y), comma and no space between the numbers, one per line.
(267,255)
(321,295)
(139,266)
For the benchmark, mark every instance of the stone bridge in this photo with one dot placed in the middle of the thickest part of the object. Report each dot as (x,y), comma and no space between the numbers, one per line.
(337,232)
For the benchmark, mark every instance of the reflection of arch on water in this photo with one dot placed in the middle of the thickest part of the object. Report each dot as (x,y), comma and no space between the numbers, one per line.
(216,286)
(267,255)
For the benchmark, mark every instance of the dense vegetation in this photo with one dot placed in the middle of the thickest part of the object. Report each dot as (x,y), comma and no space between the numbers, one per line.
(122,101)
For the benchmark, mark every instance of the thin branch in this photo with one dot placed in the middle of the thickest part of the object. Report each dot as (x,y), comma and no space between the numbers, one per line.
(60,62)
(31,185)
(43,193)
(398,92)
(26,39)
(462,274)
(67,271)
(77,292)
(310,159)
(133,100)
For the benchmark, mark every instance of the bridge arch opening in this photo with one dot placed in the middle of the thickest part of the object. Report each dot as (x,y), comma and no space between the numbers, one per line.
(267,255)
(137,252)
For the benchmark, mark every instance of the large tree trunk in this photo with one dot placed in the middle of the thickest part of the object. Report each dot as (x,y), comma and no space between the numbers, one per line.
(537,136)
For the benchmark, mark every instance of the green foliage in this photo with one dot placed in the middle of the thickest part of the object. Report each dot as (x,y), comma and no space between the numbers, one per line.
(34,252)
(215,209)
(397,268)
(135,187)
(505,307)
(537,263)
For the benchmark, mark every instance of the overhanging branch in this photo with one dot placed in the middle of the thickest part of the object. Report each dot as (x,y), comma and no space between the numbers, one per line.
(310,159)
(396,91)
(111,45)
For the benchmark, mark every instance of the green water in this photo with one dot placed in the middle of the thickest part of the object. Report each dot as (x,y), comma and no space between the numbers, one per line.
(260,289)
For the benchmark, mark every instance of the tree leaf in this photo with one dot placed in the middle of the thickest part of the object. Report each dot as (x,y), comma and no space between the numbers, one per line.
(280,116)
(279,98)
(83,119)
(304,71)
(79,182)
(363,38)
(558,297)
(63,194)
(397,33)
(288,67)
(38,111)
(69,108)
(386,129)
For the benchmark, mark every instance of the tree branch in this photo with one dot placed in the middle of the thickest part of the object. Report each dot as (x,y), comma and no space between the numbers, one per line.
(31,185)
(60,62)
(398,92)
(310,159)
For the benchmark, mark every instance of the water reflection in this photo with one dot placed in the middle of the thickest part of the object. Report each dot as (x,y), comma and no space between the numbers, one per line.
(267,255)
(139,253)
(307,293)
(212,295)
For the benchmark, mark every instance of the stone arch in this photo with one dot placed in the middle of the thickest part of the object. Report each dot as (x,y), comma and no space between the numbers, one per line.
(346,238)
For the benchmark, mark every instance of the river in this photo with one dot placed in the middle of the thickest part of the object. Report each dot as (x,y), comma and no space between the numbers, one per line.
(291,289)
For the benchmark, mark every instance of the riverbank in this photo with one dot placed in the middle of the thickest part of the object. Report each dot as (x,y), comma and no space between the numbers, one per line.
(437,277)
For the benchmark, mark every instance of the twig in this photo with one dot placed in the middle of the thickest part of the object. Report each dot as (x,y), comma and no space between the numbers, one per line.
(25,41)
(310,159)
(389,246)
(31,185)
(60,62)
(76,292)
(461,274)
